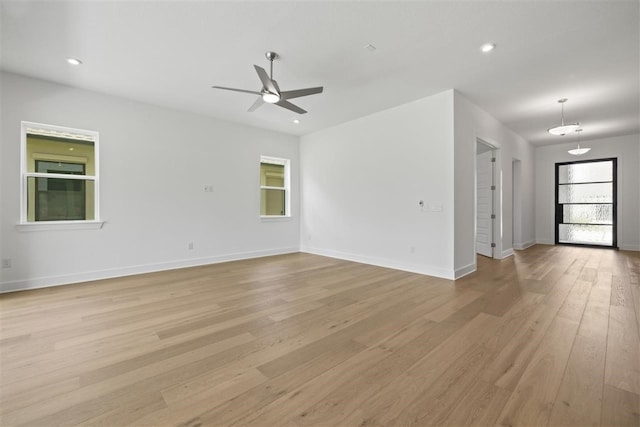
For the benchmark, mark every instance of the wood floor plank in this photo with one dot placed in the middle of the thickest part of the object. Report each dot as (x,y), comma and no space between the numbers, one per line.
(512,359)
(454,304)
(480,406)
(532,400)
(623,350)
(579,400)
(110,384)
(407,382)
(535,393)
(185,402)
(232,410)
(549,336)
(620,408)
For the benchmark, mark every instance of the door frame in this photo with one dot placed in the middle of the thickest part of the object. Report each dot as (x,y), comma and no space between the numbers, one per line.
(495,249)
(558,207)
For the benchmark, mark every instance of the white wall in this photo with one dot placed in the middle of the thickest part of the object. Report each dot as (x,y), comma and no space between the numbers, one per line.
(627,150)
(361,183)
(471,123)
(154,163)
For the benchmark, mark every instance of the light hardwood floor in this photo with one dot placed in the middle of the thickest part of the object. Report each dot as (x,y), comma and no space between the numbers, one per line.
(547,337)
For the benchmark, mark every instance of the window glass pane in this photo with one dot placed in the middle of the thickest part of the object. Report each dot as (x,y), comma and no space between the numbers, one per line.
(585,172)
(586,193)
(271,175)
(48,152)
(56,199)
(588,214)
(589,234)
(59,167)
(272,202)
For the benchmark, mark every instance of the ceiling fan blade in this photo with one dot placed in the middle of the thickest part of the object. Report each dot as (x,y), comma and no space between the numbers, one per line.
(290,106)
(236,90)
(266,81)
(256,104)
(290,94)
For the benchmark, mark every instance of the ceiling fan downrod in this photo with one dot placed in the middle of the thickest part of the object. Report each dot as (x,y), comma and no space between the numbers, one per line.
(271,56)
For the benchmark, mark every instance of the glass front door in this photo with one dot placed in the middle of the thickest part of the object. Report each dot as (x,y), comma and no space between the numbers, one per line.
(586,203)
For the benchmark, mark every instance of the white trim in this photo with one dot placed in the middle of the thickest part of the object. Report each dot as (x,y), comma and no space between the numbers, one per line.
(59,225)
(90,135)
(523,246)
(59,175)
(381,262)
(465,271)
(635,248)
(287,185)
(273,160)
(44,282)
(275,218)
(545,242)
(506,253)
(59,157)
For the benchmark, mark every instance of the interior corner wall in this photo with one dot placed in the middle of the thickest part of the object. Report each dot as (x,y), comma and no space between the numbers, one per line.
(154,164)
(362,183)
(470,124)
(627,150)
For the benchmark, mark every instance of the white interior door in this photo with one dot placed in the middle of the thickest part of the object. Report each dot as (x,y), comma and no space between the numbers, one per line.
(484,208)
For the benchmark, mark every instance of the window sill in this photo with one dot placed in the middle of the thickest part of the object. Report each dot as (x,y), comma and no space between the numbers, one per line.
(59,225)
(274,218)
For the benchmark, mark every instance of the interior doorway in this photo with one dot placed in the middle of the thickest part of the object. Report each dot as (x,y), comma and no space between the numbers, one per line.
(485,198)
(586,203)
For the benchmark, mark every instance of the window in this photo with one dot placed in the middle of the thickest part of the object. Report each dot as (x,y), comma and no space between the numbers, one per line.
(274,187)
(59,174)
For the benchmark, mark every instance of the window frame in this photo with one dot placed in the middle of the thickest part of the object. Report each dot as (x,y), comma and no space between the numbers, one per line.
(96,222)
(287,185)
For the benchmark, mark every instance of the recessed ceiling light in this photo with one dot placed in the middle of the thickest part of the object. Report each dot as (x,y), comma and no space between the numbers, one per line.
(487,47)
(296,121)
(74,61)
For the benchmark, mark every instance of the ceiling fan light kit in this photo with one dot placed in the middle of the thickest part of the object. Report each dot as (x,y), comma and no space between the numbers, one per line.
(271,98)
(271,93)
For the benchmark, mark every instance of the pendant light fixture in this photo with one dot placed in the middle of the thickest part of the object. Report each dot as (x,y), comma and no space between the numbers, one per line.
(563,129)
(579,151)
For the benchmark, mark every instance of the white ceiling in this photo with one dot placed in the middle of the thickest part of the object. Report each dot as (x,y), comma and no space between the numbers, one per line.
(170,53)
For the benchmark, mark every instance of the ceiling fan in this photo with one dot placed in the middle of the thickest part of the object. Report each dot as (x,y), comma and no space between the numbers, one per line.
(271,92)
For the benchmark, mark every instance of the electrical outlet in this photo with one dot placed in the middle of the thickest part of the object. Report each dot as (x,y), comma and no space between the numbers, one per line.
(6,263)
(190,245)
(208,188)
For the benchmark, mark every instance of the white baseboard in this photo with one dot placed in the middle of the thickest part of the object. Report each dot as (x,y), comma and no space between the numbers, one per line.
(635,248)
(380,262)
(464,271)
(545,242)
(523,246)
(45,282)
(506,253)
